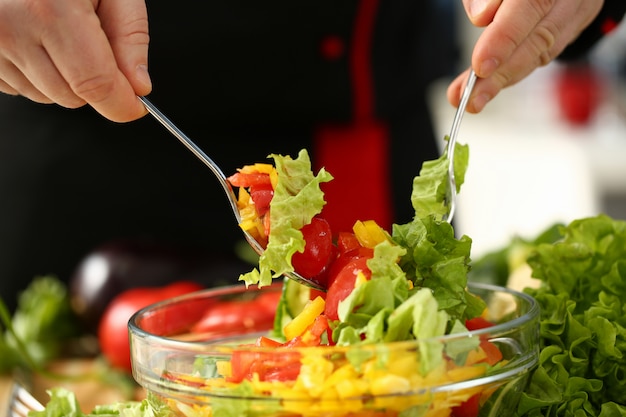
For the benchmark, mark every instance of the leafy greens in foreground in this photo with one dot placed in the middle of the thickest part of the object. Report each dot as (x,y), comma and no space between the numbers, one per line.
(63,403)
(39,327)
(582,364)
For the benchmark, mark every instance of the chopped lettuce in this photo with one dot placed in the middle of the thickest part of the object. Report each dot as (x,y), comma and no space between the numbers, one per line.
(63,403)
(435,258)
(297,199)
(430,188)
(583,322)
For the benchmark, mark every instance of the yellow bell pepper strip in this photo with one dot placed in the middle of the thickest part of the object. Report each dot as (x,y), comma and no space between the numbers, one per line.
(299,324)
(369,233)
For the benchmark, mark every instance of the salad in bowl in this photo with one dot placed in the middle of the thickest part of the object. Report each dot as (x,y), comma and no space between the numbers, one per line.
(399,332)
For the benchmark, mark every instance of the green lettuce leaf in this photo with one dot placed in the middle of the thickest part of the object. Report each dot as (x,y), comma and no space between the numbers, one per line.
(63,403)
(430,188)
(583,322)
(297,199)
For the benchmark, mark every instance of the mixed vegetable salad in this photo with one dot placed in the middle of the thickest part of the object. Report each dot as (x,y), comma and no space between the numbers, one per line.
(382,288)
(404,285)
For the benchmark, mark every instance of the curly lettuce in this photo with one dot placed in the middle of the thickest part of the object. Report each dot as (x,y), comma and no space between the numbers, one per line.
(583,322)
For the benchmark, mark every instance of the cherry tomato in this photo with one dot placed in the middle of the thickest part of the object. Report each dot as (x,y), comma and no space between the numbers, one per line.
(322,277)
(343,284)
(113,326)
(317,250)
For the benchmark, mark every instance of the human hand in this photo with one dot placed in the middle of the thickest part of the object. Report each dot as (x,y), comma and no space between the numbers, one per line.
(519,36)
(76,52)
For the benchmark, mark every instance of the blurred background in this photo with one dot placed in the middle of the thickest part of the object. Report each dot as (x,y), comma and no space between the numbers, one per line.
(549,149)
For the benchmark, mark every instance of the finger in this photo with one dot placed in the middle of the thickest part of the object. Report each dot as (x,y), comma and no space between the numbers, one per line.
(37,78)
(481,94)
(453,93)
(7,89)
(511,26)
(481,12)
(125,23)
(566,23)
(92,74)
(14,82)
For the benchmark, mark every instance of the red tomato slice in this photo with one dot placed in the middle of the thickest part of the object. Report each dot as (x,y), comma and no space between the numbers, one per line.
(469,408)
(267,342)
(347,242)
(246,180)
(343,284)
(343,259)
(477,323)
(268,366)
(317,250)
(262,195)
(231,317)
(494,355)
(288,371)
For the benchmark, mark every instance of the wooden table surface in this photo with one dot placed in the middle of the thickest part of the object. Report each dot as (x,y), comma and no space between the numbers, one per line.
(89,392)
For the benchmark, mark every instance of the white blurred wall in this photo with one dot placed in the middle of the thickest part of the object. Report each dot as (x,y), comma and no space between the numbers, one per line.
(529,167)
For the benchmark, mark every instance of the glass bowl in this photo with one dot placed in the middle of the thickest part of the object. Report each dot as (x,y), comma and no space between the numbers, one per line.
(193,372)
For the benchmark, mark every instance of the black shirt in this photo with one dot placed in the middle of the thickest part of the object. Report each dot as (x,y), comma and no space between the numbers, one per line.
(243,79)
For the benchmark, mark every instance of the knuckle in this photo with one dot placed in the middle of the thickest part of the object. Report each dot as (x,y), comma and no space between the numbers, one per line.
(41,10)
(544,42)
(544,36)
(501,79)
(545,58)
(542,7)
(94,89)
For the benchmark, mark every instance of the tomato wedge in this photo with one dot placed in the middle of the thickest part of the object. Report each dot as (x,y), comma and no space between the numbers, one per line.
(317,250)
(343,284)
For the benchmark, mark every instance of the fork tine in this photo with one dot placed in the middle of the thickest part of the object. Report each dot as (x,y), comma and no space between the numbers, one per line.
(22,402)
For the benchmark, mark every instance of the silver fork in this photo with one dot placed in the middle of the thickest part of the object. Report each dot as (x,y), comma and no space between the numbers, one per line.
(456,122)
(21,402)
(185,140)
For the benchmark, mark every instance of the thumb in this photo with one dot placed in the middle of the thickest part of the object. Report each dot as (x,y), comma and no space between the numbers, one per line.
(481,12)
(125,23)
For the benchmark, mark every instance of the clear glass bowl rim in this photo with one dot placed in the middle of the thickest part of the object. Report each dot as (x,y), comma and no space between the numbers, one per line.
(170,343)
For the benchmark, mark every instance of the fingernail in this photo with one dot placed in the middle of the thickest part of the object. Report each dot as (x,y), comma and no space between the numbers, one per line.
(480,101)
(477,7)
(143,76)
(488,67)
